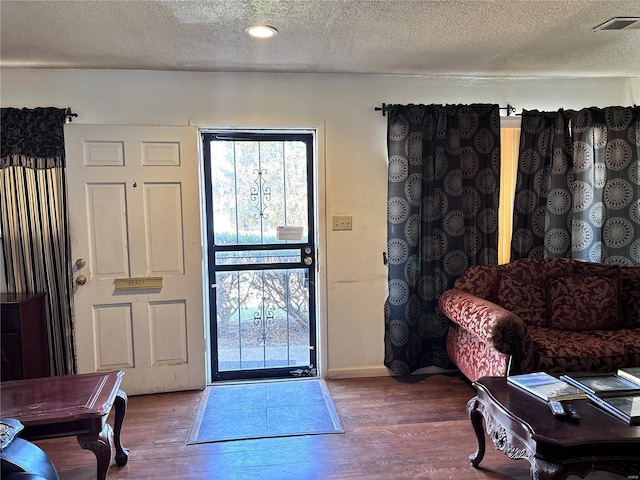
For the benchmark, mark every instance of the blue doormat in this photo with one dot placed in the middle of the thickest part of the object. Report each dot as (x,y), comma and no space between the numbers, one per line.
(264,410)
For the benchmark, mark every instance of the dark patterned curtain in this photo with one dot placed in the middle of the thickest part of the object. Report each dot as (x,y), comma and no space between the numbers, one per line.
(542,204)
(606,185)
(35,239)
(444,168)
(587,208)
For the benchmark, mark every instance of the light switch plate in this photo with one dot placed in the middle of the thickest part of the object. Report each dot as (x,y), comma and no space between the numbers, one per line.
(342,222)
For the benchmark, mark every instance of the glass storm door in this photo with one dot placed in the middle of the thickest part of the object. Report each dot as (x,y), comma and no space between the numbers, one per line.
(261,254)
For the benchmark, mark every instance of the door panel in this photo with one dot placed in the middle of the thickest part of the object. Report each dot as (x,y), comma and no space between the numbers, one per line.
(134,212)
(163,228)
(169,326)
(114,336)
(108,255)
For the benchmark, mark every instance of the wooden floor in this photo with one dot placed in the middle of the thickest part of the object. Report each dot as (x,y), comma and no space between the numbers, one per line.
(415,429)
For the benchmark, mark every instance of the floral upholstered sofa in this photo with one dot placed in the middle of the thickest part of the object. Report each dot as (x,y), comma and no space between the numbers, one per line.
(554,315)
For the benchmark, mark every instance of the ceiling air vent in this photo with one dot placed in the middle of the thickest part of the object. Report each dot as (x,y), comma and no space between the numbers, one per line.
(620,23)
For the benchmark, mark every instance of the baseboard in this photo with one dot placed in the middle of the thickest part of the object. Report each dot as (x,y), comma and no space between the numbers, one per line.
(357,372)
(379,371)
(432,370)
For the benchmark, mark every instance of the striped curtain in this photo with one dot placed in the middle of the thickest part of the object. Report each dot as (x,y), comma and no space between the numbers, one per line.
(35,239)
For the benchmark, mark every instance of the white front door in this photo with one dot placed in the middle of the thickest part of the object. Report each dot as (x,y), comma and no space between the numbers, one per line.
(134,216)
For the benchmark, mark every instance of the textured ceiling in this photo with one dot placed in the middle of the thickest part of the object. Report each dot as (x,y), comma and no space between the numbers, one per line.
(445,37)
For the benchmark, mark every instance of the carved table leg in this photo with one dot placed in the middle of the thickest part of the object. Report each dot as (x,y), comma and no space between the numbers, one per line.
(476,420)
(100,445)
(543,470)
(120,404)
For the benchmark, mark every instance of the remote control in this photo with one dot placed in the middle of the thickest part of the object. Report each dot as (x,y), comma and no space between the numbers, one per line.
(556,408)
(572,412)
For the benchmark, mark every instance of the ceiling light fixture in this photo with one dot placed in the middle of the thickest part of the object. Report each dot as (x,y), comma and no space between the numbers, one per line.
(261,31)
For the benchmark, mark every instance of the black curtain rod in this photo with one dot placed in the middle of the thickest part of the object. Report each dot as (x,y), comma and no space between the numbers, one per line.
(384,108)
(70,115)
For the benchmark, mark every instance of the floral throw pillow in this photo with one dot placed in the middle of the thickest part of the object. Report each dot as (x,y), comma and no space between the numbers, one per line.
(527,301)
(584,302)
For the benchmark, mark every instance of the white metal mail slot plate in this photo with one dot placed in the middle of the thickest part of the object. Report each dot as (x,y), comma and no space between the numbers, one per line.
(138,283)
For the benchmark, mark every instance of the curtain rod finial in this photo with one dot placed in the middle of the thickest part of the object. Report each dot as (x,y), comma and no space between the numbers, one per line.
(510,109)
(70,115)
(382,109)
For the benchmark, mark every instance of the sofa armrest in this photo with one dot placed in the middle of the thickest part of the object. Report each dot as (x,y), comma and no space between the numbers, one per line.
(491,323)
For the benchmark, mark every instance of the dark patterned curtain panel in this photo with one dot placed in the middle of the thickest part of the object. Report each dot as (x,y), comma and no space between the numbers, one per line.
(578,196)
(542,204)
(444,168)
(605,185)
(34,219)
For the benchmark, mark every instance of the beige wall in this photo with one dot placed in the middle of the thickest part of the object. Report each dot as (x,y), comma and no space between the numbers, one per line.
(354,153)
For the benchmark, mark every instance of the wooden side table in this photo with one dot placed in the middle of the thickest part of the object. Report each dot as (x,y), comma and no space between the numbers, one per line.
(71,405)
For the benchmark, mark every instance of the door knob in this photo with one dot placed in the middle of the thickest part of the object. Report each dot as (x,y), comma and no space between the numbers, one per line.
(81,279)
(308,260)
(81,262)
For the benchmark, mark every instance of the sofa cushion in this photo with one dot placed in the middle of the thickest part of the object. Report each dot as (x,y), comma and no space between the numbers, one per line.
(593,268)
(525,299)
(630,300)
(480,280)
(629,339)
(538,270)
(584,302)
(558,351)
